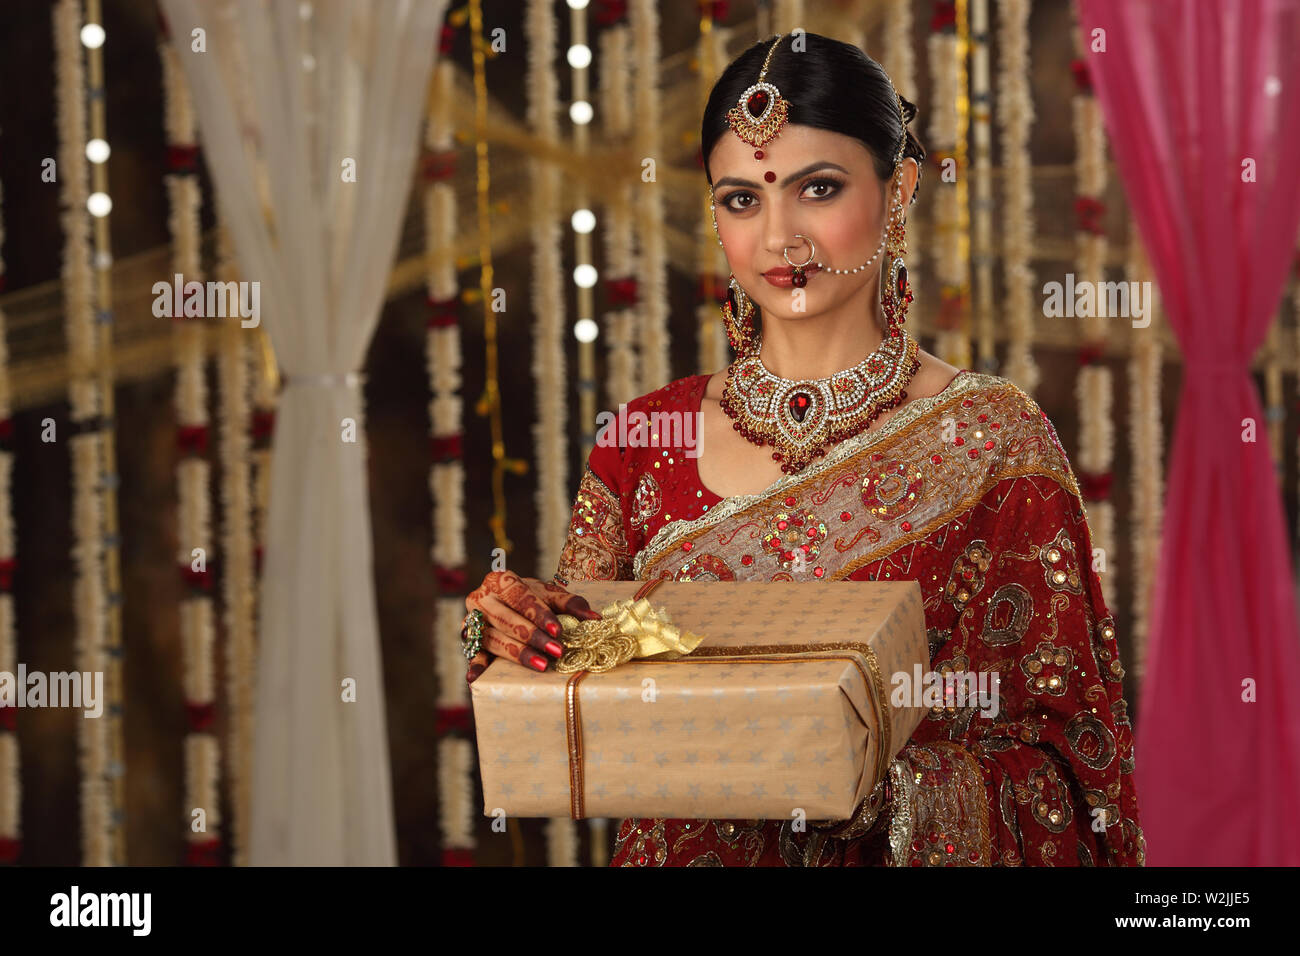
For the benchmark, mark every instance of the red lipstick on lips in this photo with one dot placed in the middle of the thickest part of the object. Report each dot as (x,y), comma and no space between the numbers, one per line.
(783,278)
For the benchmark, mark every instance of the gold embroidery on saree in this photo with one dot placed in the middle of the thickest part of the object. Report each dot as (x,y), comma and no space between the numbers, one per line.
(596,547)
(950,807)
(1000,434)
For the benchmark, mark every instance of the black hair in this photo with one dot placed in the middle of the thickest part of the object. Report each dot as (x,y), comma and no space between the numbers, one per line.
(830,85)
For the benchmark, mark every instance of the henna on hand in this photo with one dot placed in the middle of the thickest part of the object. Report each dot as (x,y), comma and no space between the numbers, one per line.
(515,595)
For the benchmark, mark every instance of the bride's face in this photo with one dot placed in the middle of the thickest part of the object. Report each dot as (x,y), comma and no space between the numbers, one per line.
(813,182)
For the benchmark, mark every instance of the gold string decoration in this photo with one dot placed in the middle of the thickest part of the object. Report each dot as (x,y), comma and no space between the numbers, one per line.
(489,405)
(628,629)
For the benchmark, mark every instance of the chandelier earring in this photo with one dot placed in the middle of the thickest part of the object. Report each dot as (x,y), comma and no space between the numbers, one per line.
(895,291)
(738,320)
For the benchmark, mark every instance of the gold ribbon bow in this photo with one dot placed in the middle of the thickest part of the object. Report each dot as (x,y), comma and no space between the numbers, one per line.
(628,629)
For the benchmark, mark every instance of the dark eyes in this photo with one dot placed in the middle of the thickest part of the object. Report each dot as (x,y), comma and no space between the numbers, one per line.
(815,188)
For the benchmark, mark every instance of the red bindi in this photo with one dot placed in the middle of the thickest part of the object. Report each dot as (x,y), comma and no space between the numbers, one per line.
(770,176)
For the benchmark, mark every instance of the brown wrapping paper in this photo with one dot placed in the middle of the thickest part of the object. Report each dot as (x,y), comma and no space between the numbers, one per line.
(776,711)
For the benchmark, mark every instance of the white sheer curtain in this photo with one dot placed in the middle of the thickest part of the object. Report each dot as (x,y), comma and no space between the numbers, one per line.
(284,94)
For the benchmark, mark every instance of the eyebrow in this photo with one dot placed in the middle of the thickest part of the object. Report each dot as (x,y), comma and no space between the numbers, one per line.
(733,181)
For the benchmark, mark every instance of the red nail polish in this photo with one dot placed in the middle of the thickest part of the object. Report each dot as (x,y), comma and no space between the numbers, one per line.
(538,661)
(554,628)
(554,648)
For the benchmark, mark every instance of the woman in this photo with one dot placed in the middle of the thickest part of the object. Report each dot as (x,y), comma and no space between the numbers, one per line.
(833,448)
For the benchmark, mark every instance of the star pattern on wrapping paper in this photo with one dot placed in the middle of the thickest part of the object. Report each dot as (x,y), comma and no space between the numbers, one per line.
(530,727)
(625,727)
(753,725)
(820,758)
(661,757)
(691,757)
(788,758)
(663,793)
(724,758)
(629,756)
(657,725)
(720,726)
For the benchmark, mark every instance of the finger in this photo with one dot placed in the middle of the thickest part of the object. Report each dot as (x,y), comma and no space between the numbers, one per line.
(511,590)
(504,617)
(503,645)
(477,665)
(566,601)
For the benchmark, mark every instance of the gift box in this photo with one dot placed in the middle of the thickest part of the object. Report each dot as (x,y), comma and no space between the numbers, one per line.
(784,706)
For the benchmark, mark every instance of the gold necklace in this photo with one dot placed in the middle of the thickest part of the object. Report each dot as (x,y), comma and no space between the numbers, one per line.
(802,418)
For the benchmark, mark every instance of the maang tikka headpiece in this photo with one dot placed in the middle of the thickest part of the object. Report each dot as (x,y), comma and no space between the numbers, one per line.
(760,113)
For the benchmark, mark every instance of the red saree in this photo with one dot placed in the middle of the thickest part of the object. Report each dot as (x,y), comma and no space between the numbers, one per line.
(969,493)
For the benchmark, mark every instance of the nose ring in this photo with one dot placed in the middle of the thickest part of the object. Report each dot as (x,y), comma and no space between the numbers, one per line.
(799,280)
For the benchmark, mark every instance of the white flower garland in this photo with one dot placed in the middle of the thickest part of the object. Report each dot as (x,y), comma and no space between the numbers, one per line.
(1094,388)
(233,374)
(643,18)
(982,178)
(10,801)
(193,480)
(710,336)
(619,327)
(950,267)
(899,60)
(1146,443)
(1016,116)
(89,599)
(444,359)
(550,319)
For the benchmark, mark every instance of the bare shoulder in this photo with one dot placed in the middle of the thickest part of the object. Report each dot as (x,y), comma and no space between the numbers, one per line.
(932,377)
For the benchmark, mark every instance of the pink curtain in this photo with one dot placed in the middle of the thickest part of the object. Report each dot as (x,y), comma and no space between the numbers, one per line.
(1190,91)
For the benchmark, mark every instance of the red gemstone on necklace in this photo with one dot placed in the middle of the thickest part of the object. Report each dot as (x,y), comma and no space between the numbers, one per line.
(758,154)
(902,280)
(756,103)
(799,403)
(789,501)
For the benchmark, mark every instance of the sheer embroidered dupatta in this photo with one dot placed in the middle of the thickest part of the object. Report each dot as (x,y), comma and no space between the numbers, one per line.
(969,493)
